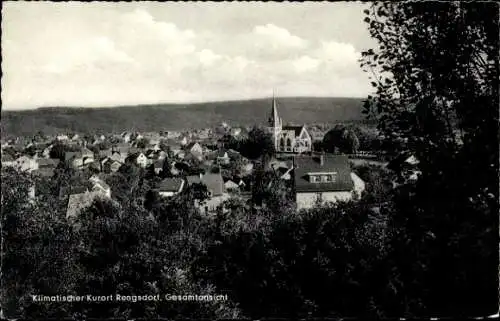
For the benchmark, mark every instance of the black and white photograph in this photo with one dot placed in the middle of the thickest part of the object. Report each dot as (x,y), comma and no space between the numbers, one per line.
(249,160)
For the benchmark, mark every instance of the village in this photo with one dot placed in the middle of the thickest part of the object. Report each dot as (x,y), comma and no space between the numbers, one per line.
(177,160)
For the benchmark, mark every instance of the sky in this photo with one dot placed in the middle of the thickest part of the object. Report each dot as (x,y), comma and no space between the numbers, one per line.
(102,54)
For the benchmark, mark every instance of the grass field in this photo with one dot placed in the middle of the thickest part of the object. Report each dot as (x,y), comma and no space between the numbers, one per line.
(300,110)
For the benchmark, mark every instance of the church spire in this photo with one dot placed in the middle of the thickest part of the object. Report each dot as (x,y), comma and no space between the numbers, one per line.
(274,120)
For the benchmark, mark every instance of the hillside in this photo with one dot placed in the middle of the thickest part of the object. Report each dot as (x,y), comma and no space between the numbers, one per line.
(177,116)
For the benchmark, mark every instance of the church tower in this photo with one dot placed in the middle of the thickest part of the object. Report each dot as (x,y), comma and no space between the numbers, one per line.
(275,124)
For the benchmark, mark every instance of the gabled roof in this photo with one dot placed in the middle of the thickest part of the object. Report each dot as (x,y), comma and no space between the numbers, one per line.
(230,184)
(48,162)
(331,163)
(44,172)
(402,160)
(159,163)
(170,185)
(6,157)
(222,153)
(213,182)
(71,155)
(296,129)
(192,144)
(68,190)
(78,202)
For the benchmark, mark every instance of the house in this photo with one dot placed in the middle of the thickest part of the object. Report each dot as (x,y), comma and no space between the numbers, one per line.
(72,189)
(138,158)
(109,165)
(118,157)
(121,148)
(73,159)
(402,162)
(7,159)
(98,185)
(291,139)
(406,167)
(45,172)
(229,185)
(235,132)
(223,157)
(154,146)
(62,137)
(80,201)
(216,191)
(195,149)
(127,137)
(323,179)
(170,186)
(46,167)
(46,151)
(26,164)
(183,141)
(106,152)
(158,166)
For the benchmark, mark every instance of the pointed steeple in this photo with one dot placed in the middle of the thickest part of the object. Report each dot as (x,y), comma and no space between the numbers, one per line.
(274,120)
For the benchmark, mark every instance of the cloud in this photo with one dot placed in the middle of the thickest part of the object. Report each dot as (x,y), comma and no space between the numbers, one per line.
(279,36)
(337,53)
(133,56)
(306,63)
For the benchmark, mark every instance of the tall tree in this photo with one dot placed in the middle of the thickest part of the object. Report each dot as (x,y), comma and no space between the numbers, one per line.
(436,78)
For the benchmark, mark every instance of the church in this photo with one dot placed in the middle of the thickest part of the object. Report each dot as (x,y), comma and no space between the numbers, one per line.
(288,139)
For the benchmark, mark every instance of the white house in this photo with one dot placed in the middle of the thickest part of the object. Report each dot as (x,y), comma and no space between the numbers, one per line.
(223,157)
(62,137)
(324,179)
(140,159)
(26,164)
(98,185)
(231,186)
(216,190)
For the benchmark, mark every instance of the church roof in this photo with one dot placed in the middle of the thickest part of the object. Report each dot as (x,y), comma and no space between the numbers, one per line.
(296,129)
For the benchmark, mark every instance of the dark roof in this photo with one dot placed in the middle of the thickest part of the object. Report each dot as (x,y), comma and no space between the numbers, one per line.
(63,191)
(48,162)
(170,185)
(213,182)
(6,157)
(159,163)
(44,172)
(331,163)
(190,145)
(222,152)
(400,161)
(70,155)
(296,129)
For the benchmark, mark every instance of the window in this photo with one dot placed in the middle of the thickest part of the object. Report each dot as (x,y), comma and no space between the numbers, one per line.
(314,179)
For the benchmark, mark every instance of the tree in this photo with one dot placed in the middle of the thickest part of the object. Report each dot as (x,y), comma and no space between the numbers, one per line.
(436,77)
(325,262)
(59,149)
(341,139)
(258,144)
(142,143)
